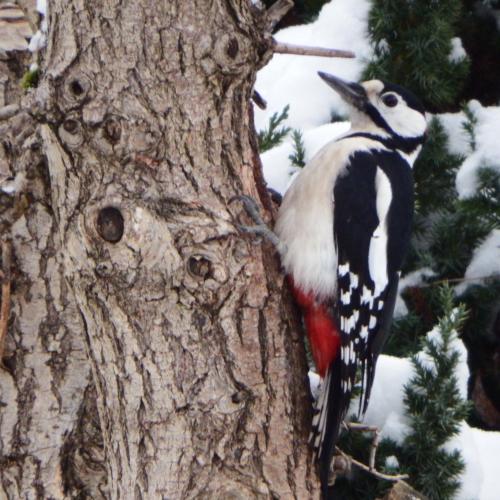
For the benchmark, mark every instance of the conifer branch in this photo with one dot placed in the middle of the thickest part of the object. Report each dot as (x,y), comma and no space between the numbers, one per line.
(303,50)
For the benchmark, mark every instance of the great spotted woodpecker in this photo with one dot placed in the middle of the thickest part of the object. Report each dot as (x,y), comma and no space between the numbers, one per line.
(343,229)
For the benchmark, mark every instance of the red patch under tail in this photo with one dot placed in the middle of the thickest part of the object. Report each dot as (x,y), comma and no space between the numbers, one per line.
(322,331)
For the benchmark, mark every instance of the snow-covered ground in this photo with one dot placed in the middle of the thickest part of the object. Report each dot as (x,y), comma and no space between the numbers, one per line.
(293,80)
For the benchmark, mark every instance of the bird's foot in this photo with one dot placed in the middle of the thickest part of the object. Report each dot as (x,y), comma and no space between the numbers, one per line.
(355,426)
(260,228)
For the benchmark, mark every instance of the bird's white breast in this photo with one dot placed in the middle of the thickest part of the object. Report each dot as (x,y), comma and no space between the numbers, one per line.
(305,220)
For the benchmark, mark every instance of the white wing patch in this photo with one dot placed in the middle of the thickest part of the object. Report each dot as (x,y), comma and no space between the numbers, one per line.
(377,255)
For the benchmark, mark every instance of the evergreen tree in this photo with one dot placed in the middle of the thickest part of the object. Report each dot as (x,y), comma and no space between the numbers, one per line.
(414,46)
(435,408)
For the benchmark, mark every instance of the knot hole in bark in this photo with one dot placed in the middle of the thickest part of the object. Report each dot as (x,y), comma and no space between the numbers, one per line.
(110,224)
(77,87)
(71,126)
(112,130)
(199,267)
(232,48)
(70,132)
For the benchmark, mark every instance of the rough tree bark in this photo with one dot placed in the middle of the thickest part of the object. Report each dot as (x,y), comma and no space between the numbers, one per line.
(128,265)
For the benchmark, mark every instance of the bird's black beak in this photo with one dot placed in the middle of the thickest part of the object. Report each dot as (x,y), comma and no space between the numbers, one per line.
(351,92)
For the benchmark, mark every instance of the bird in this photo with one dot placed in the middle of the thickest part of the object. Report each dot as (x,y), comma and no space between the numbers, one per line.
(343,229)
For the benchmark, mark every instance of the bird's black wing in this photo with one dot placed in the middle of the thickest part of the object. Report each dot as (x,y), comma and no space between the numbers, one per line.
(362,307)
(355,219)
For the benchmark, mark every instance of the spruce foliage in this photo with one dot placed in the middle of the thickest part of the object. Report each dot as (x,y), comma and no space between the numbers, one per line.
(413,44)
(275,132)
(435,407)
(298,157)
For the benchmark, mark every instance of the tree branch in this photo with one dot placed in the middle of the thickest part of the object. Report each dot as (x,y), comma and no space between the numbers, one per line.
(354,426)
(301,50)
(5,303)
(387,477)
(277,12)
(492,276)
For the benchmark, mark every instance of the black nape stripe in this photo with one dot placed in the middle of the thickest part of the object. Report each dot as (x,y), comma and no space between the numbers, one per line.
(406,144)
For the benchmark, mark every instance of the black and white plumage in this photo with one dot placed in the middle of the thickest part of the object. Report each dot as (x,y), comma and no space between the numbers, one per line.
(344,227)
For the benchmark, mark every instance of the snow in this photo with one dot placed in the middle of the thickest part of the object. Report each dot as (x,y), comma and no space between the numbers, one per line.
(39,39)
(457,53)
(392,462)
(487,151)
(415,278)
(278,170)
(485,262)
(458,138)
(487,444)
(41,6)
(37,42)
(386,408)
(293,80)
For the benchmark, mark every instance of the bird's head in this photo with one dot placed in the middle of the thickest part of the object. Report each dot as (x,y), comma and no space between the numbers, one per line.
(386,108)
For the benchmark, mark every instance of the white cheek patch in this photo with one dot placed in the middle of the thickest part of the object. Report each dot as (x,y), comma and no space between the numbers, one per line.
(405,121)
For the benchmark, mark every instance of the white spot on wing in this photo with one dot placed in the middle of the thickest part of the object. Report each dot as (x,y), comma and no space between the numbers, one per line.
(373,322)
(367,297)
(363,333)
(345,297)
(354,281)
(343,269)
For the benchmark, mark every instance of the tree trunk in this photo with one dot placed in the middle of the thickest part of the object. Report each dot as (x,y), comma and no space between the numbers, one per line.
(128,247)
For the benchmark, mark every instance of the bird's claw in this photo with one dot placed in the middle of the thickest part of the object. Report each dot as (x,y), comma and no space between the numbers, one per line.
(260,228)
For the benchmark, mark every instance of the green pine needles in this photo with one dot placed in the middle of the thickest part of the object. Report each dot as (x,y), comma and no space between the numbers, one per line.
(274,134)
(413,47)
(435,408)
(298,157)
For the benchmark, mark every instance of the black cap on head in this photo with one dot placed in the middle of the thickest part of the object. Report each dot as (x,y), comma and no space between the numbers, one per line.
(411,99)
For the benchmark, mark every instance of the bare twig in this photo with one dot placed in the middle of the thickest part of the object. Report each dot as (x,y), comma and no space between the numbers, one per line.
(5,303)
(460,280)
(301,50)
(259,100)
(354,426)
(373,472)
(8,111)
(277,12)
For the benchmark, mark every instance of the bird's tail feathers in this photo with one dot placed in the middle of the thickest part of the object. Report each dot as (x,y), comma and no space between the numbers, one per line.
(329,412)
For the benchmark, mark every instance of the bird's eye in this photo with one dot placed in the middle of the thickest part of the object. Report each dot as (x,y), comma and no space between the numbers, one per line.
(390,100)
